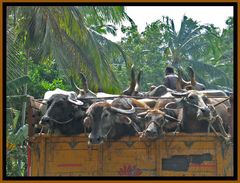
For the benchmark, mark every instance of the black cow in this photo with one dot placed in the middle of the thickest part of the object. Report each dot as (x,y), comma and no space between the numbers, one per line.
(64,114)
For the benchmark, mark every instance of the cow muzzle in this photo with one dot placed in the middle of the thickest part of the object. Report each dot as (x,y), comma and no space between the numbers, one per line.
(94,139)
(203,113)
(45,120)
(151,131)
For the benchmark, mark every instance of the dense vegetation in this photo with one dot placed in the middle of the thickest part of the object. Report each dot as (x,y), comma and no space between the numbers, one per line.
(46,46)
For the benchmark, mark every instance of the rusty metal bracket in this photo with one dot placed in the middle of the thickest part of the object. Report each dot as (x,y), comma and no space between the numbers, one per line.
(148,145)
(72,144)
(129,143)
(188,144)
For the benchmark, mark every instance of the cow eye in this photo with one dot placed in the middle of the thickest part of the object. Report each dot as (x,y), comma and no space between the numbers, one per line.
(147,117)
(70,115)
(59,103)
(105,115)
(204,98)
(191,97)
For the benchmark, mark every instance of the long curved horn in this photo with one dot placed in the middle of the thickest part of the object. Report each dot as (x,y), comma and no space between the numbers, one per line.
(136,89)
(74,101)
(178,94)
(130,89)
(192,75)
(170,117)
(133,79)
(142,114)
(181,82)
(124,111)
(84,82)
(73,83)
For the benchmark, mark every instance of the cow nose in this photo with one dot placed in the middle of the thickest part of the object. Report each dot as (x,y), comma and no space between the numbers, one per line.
(96,140)
(45,119)
(151,133)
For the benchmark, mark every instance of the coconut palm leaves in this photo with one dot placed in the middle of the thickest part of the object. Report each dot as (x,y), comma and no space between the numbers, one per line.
(67,34)
(14,68)
(180,44)
(200,47)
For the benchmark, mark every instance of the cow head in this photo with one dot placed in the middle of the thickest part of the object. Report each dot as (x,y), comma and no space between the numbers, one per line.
(102,118)
(193,104)
(154,122)
(61,109)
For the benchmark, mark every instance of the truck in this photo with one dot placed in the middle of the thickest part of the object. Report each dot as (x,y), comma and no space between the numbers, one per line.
(180,154)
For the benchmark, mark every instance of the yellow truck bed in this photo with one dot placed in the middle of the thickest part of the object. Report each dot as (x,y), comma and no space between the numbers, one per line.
(174,155)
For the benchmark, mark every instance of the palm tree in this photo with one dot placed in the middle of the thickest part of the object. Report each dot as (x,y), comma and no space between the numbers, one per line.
(195,45)
(72,36)
(69,35)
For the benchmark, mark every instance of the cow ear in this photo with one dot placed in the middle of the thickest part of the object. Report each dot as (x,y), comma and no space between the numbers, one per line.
(124,120)
(87,122)
(174,105)
(206,99)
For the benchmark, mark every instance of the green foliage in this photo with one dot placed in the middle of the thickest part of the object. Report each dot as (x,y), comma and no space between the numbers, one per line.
(203,47)
(69,35)
(15,84)
(52,44)
(46,76)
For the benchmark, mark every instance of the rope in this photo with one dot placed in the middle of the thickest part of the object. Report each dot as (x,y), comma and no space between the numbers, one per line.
(134,125)
(221,101)
(63,122)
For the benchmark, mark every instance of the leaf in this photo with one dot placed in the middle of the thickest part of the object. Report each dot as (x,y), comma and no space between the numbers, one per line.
(20,135)
(15,119)
(17,83)
(17,98)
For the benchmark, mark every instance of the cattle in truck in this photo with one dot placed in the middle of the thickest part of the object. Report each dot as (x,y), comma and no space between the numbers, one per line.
(198,115)
(114,119)
(63,113)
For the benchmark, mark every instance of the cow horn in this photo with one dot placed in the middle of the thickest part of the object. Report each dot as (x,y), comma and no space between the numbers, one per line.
(72,82)
(192,75)
(84,82)
(181,82)
(178,94)
(130,89)
(124,111)
(170,117)
(142,114)
(74,101)
(138,81)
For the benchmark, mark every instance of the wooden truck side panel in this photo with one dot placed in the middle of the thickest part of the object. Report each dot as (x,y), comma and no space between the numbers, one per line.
(180,155)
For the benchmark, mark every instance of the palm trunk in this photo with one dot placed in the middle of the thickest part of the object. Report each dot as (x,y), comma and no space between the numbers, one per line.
(24,106)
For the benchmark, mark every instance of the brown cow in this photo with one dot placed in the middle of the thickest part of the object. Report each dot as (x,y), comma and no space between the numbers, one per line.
(158,120)
(113,119)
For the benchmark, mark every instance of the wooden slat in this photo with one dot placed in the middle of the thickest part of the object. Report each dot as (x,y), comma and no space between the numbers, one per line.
(71,156)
